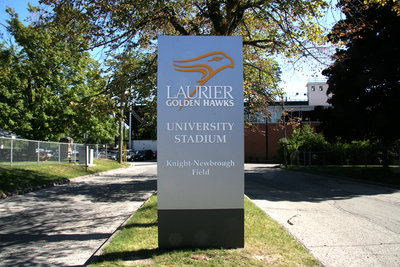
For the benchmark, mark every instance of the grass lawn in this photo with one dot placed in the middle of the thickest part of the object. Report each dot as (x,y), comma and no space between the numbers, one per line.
(24,176)
(266,244)
(390,176)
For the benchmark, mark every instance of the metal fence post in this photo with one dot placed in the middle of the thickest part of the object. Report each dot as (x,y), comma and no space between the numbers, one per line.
(298,158)
(23,151)
(11,152)
(399,157)
(365,158)
(86,157)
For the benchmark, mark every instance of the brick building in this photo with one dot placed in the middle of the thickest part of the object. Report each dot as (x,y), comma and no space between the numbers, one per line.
(262,140)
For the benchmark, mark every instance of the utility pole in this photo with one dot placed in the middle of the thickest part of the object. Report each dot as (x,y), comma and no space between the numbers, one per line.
(284,132)
(130,128)
(121,128)
(121,136)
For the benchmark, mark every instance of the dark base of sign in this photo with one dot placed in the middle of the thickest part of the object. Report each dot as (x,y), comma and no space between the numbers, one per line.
(219,228)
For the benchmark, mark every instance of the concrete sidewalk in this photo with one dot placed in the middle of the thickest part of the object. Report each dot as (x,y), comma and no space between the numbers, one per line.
(66,225)
(341,222)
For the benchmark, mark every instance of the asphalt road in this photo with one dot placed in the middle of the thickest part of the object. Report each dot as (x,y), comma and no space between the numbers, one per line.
(65,225)
(342,222)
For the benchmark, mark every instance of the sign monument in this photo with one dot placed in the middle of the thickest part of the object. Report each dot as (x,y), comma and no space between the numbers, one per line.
(200,142)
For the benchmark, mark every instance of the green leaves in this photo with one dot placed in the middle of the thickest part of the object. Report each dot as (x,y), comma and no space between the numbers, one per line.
(305,139)
(364,79)
(268,28)
(276,26)
(49,88)
(133,82)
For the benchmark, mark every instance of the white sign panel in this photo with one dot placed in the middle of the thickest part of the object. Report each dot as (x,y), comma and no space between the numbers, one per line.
(200,123)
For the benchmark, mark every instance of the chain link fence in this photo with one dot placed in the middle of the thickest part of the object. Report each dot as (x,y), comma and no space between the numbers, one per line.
(357,157)
(15,151)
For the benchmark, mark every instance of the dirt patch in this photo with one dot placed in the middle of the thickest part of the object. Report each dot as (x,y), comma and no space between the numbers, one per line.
(139,262)
(270,259)
(200,257)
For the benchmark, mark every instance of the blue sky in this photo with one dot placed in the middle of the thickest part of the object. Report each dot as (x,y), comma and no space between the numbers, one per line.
(20,6)
(294,78)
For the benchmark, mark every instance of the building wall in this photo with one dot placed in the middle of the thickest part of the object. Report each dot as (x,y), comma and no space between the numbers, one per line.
(317,93)
(255,143)
(261,147)
(275,134)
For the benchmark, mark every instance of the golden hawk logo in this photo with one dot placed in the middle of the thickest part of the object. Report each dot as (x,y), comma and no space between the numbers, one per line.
(208,65)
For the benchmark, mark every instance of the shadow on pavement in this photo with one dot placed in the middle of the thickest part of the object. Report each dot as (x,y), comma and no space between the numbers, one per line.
(35,226)
(275,184)
(141,254)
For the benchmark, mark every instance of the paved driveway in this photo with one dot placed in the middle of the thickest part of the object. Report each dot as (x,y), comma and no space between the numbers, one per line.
(65,225)
(342,223)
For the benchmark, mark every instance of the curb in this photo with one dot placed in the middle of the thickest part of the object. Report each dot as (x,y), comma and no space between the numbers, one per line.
(100,250)
(5,195)
(288,230)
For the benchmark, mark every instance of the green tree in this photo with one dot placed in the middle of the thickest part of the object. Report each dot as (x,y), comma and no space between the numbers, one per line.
(364,79)
(49,87)
(306,139)
(267,27)
(132,82)
(93,109)
(303,139)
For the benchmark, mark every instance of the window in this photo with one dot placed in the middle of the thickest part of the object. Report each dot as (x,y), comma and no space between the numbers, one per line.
(313,88)
(321,88)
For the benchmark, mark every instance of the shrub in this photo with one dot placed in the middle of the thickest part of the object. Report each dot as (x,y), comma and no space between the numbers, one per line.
(303,139)
(358,152)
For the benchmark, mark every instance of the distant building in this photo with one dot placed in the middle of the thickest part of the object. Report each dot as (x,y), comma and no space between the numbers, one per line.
(316,91)
(262,142)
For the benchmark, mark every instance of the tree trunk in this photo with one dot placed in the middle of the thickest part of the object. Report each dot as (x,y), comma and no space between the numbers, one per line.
(121,137)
